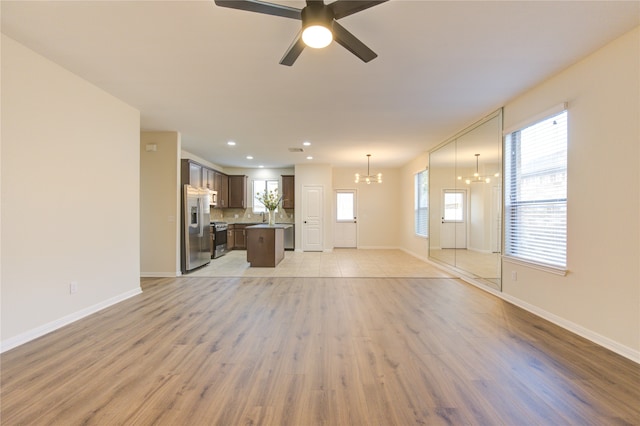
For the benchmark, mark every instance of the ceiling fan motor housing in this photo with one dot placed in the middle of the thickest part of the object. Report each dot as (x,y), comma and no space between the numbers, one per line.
(317,14)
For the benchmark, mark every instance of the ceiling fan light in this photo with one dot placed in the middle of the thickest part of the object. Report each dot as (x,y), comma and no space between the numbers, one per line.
(317,36)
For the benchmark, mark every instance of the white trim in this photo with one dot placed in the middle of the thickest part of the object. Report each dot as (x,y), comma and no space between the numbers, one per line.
(39,331)
(160,274)
(494,114)
(378,248)
(536,118)
(598,339)
(557,270)
(620,349)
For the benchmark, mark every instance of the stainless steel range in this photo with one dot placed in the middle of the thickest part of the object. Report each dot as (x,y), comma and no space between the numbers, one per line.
(220,239)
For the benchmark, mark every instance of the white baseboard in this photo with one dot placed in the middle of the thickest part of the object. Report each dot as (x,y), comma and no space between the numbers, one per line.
(622,350)
(32,334)
(160,274)
(378,248)
(625,351)
(417,256)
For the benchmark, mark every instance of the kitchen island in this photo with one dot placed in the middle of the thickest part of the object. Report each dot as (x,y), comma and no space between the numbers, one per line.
(265,244)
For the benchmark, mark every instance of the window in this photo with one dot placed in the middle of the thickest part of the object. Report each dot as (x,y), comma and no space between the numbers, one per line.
(344,207)
(453,206)
(421,207)
(259,186)
(536,192)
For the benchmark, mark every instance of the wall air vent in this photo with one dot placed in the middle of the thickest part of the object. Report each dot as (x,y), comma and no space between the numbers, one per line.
(296,150)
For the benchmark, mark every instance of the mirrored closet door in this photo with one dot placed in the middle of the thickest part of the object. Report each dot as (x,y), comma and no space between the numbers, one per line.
(465,201)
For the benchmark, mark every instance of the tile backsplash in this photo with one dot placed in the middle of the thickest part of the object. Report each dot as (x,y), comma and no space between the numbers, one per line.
(247,216)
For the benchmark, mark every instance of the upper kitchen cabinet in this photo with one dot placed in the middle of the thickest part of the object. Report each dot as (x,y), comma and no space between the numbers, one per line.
(191,173)
(288,191)
(208,177)
(221,186)
(237,191)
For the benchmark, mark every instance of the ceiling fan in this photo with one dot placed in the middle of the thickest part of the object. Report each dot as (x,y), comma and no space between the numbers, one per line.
(319,24)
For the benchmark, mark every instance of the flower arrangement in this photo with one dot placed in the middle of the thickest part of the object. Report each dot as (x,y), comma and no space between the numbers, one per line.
(270,199)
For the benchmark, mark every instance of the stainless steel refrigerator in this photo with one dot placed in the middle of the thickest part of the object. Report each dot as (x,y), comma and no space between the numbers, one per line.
(196,248)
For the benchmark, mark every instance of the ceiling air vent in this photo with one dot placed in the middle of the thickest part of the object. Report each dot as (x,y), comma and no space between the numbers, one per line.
(296,150)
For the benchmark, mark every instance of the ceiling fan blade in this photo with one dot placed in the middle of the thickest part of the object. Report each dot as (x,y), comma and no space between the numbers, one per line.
(262,7)
(351,43)
(342,8)
(294,51)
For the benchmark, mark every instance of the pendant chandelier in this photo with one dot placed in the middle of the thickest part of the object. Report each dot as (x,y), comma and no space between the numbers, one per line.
(369,178)
(476,178)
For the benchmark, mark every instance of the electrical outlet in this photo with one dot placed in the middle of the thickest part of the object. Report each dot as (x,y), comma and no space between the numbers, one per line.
(514,276)
(73,287)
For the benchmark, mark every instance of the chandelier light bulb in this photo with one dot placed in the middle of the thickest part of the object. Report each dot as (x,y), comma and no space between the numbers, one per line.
(317,36)
(368,178)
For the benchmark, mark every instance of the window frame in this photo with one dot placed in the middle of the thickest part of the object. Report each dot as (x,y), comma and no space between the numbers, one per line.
(258,203)
(518,247)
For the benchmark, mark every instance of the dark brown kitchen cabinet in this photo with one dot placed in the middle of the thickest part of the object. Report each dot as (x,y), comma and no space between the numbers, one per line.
(221,185)
(240,237)
(288,191)
(191,173)
(237,191)
(265,245)
(231,237)
(208,177)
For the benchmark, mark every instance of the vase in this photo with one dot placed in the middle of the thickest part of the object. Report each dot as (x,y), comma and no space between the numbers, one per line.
(272,217)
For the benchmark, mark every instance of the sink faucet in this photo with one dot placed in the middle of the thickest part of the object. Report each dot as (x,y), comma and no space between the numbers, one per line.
(263,217)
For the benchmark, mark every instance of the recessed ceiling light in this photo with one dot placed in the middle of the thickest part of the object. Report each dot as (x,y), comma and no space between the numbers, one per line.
(306,143)
(231,143)
(309,158)
(249,157)
(261,166)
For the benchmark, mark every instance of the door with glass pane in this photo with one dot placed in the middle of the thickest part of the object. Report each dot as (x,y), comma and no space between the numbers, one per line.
(346,225)
(453,231)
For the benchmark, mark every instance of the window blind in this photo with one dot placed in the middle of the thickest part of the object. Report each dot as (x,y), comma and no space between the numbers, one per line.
(536,192)
(421,209)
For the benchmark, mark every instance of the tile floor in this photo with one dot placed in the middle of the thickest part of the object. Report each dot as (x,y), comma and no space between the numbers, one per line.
(338,263)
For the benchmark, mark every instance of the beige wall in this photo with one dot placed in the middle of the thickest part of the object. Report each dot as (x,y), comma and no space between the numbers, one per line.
(160,204)
(378,207)
(601,293)
(409,241)
(70,196)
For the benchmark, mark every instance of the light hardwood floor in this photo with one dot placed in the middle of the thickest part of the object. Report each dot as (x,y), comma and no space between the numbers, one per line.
(337,263)
(312,351)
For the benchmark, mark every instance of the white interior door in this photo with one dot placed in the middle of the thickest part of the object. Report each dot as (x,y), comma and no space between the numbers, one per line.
(345,228)
(453,231)
(312,217)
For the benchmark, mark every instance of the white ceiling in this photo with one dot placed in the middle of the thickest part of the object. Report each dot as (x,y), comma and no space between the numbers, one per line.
(212,73)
